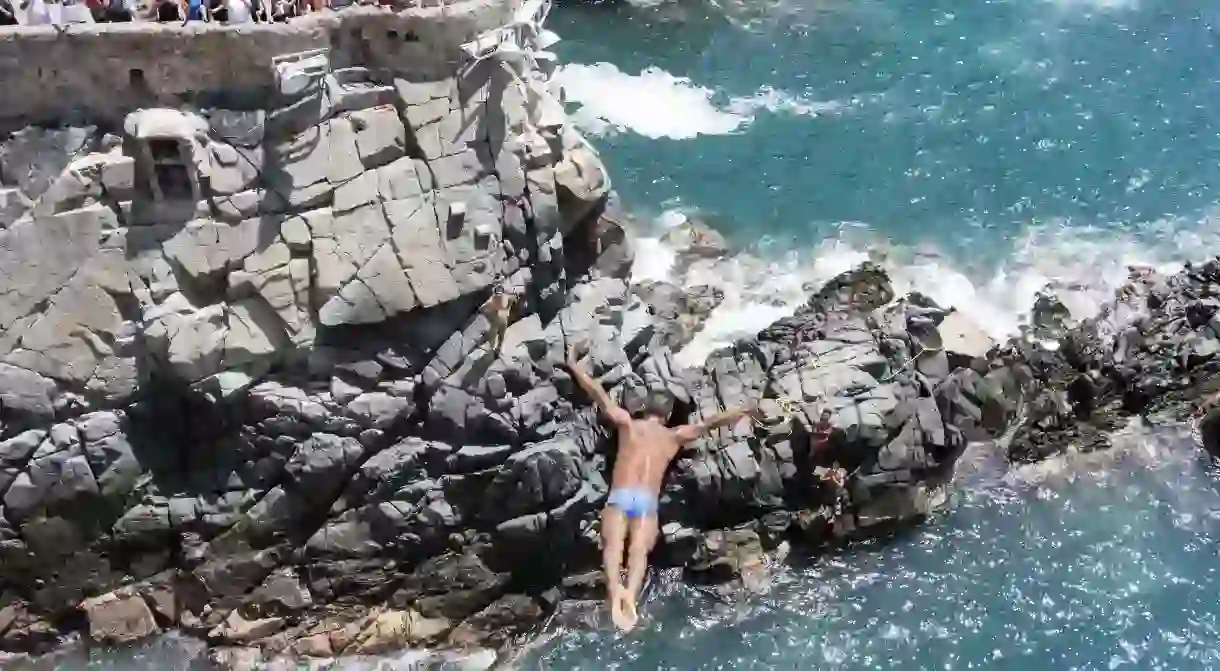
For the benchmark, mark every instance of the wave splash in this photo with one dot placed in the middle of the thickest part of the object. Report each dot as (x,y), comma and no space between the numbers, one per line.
(1082,266)
(657,104)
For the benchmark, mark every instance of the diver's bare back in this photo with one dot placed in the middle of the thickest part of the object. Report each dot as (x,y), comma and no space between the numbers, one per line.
(644,451)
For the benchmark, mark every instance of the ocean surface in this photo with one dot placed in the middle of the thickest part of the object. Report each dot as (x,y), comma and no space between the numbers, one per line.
(985,147)
(1103,561)
(982,150)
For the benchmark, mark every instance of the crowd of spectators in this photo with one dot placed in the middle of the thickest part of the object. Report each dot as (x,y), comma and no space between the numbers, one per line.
(61,12)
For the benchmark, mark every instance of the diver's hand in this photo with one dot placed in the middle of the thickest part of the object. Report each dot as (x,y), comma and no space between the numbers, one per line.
(571,360)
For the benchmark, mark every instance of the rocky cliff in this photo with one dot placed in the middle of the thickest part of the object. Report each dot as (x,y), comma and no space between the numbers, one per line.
(253,384)
(1149,355)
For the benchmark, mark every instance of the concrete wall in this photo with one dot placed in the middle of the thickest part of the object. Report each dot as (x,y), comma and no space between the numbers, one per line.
(86,74)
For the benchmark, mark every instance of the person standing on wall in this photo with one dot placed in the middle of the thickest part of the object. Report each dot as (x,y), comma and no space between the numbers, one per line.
(195,10)
(36,13)
(121,11)
(7,16)
(238,11)
(167,10)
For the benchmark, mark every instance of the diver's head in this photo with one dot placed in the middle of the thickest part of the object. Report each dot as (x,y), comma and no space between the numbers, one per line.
(659,404)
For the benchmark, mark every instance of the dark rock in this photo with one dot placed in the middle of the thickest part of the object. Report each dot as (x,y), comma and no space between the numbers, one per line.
(1209,431)
(362,372)
(27,632)
(676,315)
(498,623)
(362,580)
(454,586)
(280,594)
(237,574)
(538,478)
(695,239)
(15,452)
(119,618)
(1049,317)
(728,554)
(591,585)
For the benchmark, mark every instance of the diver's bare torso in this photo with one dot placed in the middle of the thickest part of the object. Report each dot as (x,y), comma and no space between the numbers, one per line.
(645,448)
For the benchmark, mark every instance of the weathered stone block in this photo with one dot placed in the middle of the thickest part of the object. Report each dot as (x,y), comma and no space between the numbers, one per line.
(388,282)
(380,136)
(25,392)
(417,93)
(118,618)
(344,162)
(355,304)
(255,333)
(360,233)
(360,191)
(205,249)
(417,238)
(400,179)
(37,257)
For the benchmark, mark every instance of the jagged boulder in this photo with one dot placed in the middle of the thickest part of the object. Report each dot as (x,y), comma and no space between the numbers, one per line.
(117,618)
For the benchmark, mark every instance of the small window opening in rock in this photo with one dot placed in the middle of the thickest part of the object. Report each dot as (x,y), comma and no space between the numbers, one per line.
(175,181)
(410,37)
(135,77)
(165,151)
(391,34)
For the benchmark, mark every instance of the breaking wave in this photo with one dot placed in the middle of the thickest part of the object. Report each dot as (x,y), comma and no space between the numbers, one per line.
(770,279)
(657,104)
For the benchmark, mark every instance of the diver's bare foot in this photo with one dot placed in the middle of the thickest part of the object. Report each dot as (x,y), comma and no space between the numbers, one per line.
(629,613)
(622,610)
(1203,406)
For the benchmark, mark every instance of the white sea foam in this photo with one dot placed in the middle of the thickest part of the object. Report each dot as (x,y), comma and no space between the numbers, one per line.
(1102,5)
(657,104)
(653,103)
(780,101)
(1082,265)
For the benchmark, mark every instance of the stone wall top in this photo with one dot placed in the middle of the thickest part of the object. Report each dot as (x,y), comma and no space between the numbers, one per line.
(96,73)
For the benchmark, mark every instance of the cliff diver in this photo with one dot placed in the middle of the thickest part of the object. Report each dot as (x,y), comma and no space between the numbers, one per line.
(498,310)
(646,445)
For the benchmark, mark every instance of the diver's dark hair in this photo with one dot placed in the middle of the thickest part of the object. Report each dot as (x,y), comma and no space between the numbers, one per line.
(660,403)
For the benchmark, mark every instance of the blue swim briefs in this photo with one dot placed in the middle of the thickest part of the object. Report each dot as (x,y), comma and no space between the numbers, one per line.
(633,502)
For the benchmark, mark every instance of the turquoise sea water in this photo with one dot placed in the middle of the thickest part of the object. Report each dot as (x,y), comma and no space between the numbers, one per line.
(960,121)
(1106,562)
(990,146)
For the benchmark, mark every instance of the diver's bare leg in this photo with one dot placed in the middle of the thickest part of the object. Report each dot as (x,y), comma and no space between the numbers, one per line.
(497,341)
(643,531)
(614,532)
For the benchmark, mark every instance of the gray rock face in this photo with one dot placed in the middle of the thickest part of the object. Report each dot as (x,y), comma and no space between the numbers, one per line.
(451,586)
(675,316)
(24,392)
(116,618)
(694,239)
